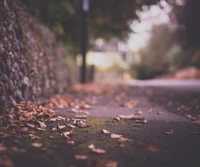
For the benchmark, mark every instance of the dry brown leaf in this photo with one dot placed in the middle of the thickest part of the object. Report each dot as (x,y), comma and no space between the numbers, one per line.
(111,163)
(61,126)
(4,161)
(85,106)
(37,145)
(73,110)
(81,116)
(143,121)
(160,113)
(71,142)
(81,157)
(115,136)
(91,146)
(115,120)
(18,149)
(31,125)
(34,136)
(67,134)
(54,129)
(105,131)
(84,112)
(123,139)
(71,126)
(151,148)
(53,119)
(138,112)
(96,150)
(24,129)
(42,124)
(4,135)
(81,124)
(2,148)
(51,137)
(132,116)
(130,104)
(171,132)
(196,122)
(41,129)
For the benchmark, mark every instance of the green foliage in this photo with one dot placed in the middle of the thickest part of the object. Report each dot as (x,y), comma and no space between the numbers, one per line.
(106,19)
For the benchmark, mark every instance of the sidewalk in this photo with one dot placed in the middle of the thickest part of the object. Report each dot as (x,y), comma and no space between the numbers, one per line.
(108,126)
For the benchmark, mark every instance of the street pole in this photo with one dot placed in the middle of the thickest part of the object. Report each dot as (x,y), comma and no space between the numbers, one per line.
(84,38)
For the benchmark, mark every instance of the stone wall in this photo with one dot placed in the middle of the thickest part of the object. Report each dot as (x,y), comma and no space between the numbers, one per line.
(33,64)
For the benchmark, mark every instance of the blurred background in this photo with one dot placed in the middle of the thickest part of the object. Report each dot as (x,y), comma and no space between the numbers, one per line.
(126,40)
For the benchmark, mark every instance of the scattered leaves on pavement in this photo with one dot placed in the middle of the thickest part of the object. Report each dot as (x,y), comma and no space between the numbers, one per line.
(81,157)
(96,150)
(150,147)
(105,131)
(171,132)
(115,136)
(37,145)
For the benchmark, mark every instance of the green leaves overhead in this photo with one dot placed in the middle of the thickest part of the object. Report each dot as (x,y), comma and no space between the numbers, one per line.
(106,19)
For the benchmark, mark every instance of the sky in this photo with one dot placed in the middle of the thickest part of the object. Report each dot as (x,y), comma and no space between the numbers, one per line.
(142,29)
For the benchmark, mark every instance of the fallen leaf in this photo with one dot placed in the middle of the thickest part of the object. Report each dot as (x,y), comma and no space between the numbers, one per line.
(111,163)
(18,149)
(91,146)
(81,157)
(85,106)
(4,161)
(115,136)
(196,122)
(160,113)
(71,126)
(24,129)
(34,136)
(81,116)
(171,132)
(144,121)
(41,129)
(42,124)
(138,112)
(81,124)
(96,150)
(31,125)
(71,142)
(84,112)
(130,104)
(151,148)
(115,120)
(54,129)
(105,131)
(2,148)
(37,145)
(73,110)
(123,139)
(67,134)
(4,135)
(61,126)
(53,119)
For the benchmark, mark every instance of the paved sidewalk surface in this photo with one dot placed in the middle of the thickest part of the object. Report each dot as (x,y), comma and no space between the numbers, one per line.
(144,126)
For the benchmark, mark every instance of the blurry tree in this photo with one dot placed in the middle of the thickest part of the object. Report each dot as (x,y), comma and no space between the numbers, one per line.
(184,17)
(157,56)
(106,18)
